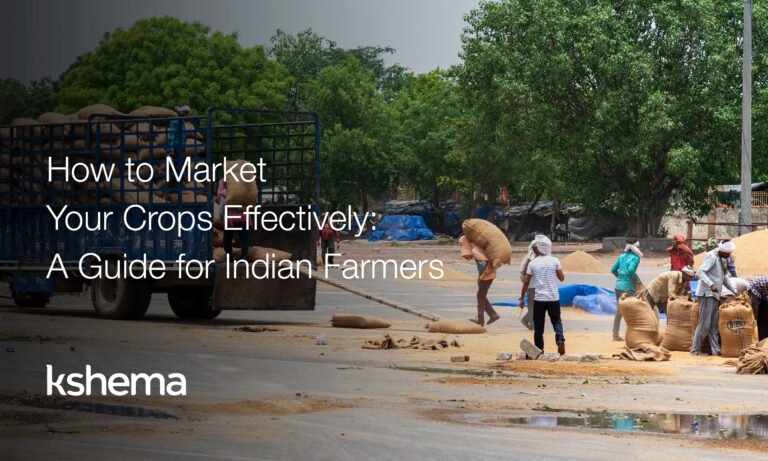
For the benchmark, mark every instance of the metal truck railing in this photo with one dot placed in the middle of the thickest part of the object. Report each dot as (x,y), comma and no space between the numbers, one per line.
(287,141)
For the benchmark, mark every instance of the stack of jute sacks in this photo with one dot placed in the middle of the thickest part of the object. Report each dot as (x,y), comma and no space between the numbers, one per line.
(27,143)
(736,325)
(490,239)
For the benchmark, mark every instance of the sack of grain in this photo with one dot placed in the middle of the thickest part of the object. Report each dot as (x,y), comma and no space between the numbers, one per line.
(27,127)
(679,333)
(260,253)
(490,238)
(217,238)
(152,112)
(736,325)
(101,109)
(55,118)
(642,323)
(358,321)
(239,191)
(132,193)
(219,255)
(153,153)
(459,326)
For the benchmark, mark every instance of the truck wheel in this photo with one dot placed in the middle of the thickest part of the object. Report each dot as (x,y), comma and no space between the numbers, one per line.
(192,302)
(121,299)
(37,300)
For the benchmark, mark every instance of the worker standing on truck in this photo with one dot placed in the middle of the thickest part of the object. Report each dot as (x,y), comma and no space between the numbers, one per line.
(328,239)
(236,221)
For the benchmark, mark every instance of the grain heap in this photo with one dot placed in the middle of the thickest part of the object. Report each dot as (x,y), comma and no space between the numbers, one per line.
(749,256)
(582,263)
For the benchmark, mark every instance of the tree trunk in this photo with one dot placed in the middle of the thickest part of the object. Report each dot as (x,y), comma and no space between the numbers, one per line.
(436,207)
(555,213)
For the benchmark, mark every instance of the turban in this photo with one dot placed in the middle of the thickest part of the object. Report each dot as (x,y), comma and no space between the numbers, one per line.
(726,247)
(688,270)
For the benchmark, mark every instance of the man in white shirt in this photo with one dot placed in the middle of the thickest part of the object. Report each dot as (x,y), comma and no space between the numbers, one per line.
(546,270)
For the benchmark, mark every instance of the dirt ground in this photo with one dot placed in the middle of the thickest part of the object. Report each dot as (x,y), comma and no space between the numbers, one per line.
(258,382)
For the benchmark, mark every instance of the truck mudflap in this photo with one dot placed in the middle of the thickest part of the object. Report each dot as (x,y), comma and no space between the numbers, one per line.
(297,294)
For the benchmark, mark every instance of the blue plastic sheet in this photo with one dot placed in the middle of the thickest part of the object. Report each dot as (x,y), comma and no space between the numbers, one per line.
(401,228)
(602,304)
(568,292)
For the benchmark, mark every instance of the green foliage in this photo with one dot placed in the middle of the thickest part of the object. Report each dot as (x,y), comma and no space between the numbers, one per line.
(355,158)
(622,103)
(426,111)
(19,100)
(166,62)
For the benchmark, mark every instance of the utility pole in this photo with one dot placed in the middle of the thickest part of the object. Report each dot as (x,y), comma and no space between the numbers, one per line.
(745,214)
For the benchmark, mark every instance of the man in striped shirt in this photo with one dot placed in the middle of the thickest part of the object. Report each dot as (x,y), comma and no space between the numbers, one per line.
(758,294)
(546,270)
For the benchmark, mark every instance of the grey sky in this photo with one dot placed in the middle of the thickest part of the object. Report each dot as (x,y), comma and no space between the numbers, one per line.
(43,37)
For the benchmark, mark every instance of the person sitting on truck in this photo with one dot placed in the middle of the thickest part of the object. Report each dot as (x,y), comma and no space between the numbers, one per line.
(235,220)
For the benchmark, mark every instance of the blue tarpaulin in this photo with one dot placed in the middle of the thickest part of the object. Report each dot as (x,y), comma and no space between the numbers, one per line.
(588,297)
(401,228)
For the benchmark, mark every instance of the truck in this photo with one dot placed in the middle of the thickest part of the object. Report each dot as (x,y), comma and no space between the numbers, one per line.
(41,167)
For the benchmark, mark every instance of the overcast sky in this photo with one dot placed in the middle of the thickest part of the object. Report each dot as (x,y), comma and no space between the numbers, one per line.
(43,37)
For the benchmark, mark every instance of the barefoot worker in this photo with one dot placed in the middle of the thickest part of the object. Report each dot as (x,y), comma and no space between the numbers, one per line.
(546,270)
(486,274)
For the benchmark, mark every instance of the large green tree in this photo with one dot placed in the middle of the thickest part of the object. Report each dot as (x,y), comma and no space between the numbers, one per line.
(426,111)
(357,160)
(623,102)
(167,62)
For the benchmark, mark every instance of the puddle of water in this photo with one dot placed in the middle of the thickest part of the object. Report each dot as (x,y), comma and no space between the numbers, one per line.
(87,407)
(705,426)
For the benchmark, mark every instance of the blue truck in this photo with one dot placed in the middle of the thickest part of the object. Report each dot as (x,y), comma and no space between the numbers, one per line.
(41,165)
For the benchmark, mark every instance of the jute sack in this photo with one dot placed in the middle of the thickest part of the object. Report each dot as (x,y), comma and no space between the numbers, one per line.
(152,111)
(239,191)
(459,326)
(260,253)
(217,238)
(736,325)
(680,326)
(642,323)
(26,127)
(358,321)
(87,111)
(490,238)
(55,118)
(220,255)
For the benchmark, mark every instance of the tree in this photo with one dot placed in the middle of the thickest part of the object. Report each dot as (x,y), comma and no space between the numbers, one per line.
(426,111)
(628,101)
(307,53)
(19,100)
(355,160)
(166,62)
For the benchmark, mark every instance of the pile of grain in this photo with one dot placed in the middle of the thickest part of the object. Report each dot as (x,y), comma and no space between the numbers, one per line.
(749,256)
(583,263)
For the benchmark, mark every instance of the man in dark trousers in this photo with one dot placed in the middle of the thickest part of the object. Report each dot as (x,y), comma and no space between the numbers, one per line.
(758,294)
(546,270)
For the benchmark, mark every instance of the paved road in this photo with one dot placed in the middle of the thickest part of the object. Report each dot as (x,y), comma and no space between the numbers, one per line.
(282,397)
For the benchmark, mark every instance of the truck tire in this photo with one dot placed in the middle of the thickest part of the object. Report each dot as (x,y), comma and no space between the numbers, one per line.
(121,299)
(192,302)
(36,300)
